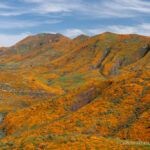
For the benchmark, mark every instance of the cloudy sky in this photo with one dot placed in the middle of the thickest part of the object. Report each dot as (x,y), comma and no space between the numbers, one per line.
(20,18)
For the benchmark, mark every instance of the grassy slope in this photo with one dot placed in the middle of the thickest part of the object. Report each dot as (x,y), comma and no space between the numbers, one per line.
(93,87)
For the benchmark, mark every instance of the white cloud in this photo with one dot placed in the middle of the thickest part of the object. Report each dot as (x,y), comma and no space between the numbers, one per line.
(43,7)
(122,29)
(117,8)
(146,26)
(24,24)
(10,39)
(54,6)
(13,12)
(3,5)
(96,31)
(99,8)
(142,29)
(134,5)
(94,8)
(73,32)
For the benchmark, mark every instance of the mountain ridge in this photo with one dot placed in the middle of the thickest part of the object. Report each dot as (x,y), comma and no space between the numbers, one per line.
(81,35)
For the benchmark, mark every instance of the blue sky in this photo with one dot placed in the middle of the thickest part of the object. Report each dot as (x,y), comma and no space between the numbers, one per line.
(21,18)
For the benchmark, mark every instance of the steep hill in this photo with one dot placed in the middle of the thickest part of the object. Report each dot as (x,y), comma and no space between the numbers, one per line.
(81,93)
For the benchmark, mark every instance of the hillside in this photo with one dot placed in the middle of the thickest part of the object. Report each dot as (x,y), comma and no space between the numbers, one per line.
(82,93)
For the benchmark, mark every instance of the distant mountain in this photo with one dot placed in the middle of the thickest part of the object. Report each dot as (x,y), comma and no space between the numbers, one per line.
(90,92)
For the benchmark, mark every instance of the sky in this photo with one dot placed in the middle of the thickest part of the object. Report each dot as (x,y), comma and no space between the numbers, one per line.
(21,18)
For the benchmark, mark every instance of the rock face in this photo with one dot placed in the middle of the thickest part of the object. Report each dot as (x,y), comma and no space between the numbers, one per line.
(89,92)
